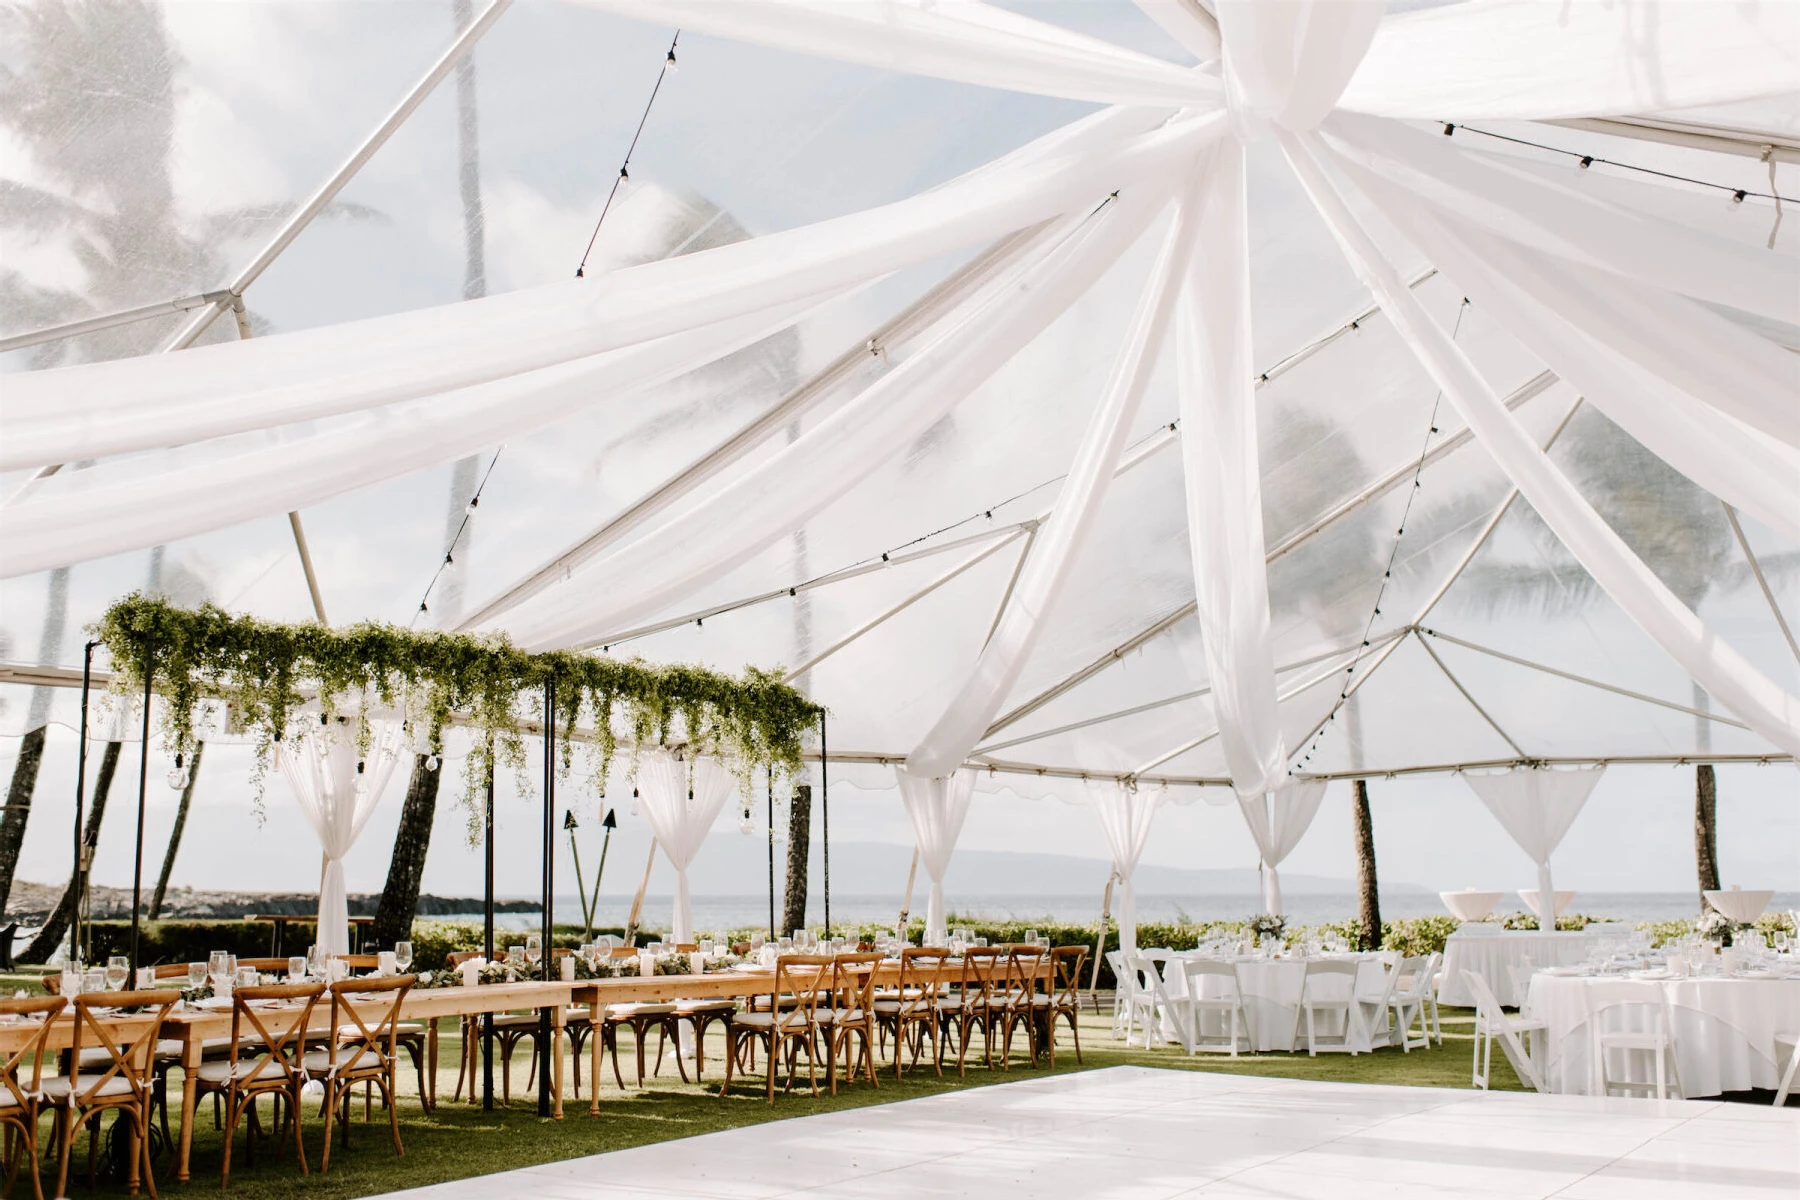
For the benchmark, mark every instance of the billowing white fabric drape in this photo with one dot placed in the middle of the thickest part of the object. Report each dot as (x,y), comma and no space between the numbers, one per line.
(1536,806)
(1289,59)
(73,413)
(1531,61)
(784,489)
(337,789)
(966,718)
(1277,823)
(1730,678)
(1125,815)
(938,806)
(947,39)
(681,815)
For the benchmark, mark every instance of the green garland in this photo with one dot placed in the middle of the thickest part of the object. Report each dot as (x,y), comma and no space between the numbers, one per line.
(262,671)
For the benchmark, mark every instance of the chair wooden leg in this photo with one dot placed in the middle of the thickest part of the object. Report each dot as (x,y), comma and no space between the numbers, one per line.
(388,1087)
(64,1126)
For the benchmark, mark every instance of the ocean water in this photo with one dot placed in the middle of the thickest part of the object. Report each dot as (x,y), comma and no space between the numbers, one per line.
(741,912)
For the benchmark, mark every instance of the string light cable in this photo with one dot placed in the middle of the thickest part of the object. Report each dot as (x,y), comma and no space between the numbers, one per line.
(1387,574)
(669,67)
(1584,161)
(456,540)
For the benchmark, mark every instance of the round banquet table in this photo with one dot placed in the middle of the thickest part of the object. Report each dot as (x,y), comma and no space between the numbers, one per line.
(1271,991)
(1724,1031)
(1494,955)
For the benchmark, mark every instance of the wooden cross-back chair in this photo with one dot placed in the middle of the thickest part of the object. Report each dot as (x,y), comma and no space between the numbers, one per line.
(1023,1000)
(125,1086)
(361,1053)
(22,1098)
(790,1024)
(1065,995)
(851,1015)
(914,1014)
(241,1081)
(981,1001)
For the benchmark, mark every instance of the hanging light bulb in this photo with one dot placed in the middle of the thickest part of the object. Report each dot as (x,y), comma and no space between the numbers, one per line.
(746,826)
(670,66)
(1737,199)
(634,802)
(469,508)
(178,775)
(431,762)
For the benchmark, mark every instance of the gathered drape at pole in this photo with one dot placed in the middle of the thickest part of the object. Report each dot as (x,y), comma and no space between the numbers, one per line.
(1730,678)
(680,816)
(338,788)
(938,806)
(1125,814)
(1277,822)
(1536,806)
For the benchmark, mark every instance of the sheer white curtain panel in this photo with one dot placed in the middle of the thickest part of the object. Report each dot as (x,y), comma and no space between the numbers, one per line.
(949,39)
(1277,821)
(1078,504)
(1536,806)
(1289,59)
(681,809)
(938,806)
(1125,814)
(1730,678)
(337,788)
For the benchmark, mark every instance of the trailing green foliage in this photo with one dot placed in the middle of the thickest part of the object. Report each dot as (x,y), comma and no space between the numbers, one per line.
(263,671)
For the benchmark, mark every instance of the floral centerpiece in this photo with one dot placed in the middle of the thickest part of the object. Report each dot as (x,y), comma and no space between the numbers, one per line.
(1266,925)
(1714,926)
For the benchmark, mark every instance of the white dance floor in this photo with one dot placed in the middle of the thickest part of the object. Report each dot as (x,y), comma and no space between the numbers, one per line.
(1134,1132)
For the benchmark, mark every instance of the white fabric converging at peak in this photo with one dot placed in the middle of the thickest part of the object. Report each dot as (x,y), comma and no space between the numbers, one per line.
(1536,806)
(680,815)
(1277,822)
(1125,815)
(938,807)
(338,789)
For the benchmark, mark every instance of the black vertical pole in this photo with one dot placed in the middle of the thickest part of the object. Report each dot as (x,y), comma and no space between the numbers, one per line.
(80,872)
(543,1038)
(825,812)
(137,870)
(769,791)
(487,1019)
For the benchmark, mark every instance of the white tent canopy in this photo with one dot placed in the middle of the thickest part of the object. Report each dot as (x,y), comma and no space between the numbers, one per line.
(1245,431)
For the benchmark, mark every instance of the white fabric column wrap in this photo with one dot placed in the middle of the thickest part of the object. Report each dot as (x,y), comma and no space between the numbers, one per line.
(938,807)
(321,764)
(1125,817)
(1731,679)
(681,817)
(1078,504)
(1536,807)
(1277,823)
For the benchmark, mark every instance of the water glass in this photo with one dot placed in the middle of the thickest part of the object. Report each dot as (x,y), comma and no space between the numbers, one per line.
(786,944)
(515,957)
(706,947)
(534,948)
(403,955)
(246,977)
(93,979)
(118,970)
(297,969)
(756,943)
(315,962)
(196,974)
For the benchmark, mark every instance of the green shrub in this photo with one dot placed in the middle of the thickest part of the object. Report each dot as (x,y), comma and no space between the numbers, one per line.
(191,941)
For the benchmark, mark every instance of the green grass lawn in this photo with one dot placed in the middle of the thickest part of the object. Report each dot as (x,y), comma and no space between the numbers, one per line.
(458,1139)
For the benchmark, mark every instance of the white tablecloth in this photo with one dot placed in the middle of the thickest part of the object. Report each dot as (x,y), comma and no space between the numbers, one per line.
(1493,956)
(1724,1031)
(1271,991)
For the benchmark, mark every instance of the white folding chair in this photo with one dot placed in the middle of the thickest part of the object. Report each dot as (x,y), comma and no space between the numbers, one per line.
(1229,1007)
(1491,1022)
(1376,1012)
(1434,978)
(1608,1002)
(1793,1065)
(1408,996)
(1149,1000)
(1124,991)
(1323,974)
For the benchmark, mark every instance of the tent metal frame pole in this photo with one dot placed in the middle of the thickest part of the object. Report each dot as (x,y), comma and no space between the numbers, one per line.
(1745,142)
(1012,582)
(825,811)
(1466,695)
(1761,581)
(297,223)
(79,874)
(769,795)
(306,566)
(137,869)
(1342,329)
(546,960)
(487,932)
(142,312)
(916,318)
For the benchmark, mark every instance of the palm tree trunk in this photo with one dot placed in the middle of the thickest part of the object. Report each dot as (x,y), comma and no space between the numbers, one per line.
(31,746)
(181,816)
(51,935)
(793,909)
(406,870)
(1367,887)
(1706,830)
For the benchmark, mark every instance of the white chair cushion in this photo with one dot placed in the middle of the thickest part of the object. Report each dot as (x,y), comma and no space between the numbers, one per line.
(57,1090)
(219,1072)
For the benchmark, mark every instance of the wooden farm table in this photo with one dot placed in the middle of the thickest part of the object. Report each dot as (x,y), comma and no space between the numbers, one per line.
(194,1027)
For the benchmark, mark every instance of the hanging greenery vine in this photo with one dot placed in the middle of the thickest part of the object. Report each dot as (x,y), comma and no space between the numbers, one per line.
(264,672)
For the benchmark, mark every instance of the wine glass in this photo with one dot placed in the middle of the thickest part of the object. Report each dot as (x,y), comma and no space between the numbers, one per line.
(118,970)
(247,977)
(534,948)
(403,955)
(93,979)
(315,962)
(756,943)
(215,964)
(297,969)
(196,974)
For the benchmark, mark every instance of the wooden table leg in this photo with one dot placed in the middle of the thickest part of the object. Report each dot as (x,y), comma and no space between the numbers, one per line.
(431,1064)
(557,1016)
(596,1011)
(192,1048)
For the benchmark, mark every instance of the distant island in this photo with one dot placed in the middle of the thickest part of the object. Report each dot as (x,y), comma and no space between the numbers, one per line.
(31,903)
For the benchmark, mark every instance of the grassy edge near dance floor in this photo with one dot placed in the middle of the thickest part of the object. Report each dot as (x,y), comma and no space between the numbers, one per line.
(458,1140)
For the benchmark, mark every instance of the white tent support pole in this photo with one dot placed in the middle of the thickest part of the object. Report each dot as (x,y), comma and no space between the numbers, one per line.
(1582,679)
(1761,581)
(1166,701)
(1012,581)
(1403,473)
(908,602)
(1391,639)
(917,317)
(1745,142)
(1069,682)
(144,312)
(302,217)
(306,565)
(1382,656)
(1343,329)
(1466,695)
